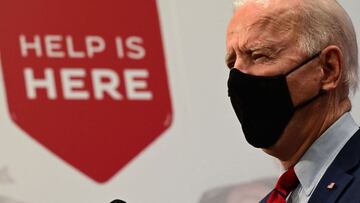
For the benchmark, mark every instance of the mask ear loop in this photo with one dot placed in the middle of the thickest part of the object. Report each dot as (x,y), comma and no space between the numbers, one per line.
(304,63)
(321,92)
(305,103)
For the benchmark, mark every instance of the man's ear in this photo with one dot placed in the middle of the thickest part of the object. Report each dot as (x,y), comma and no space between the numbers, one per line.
(331,59)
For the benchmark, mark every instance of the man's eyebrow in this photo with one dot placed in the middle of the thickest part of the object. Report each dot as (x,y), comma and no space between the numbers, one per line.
(260,45)
(273,46)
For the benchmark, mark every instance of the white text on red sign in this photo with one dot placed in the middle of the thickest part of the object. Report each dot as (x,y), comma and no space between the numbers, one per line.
(104,80)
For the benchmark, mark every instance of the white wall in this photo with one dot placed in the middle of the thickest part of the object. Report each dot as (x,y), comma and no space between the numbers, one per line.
(203,149)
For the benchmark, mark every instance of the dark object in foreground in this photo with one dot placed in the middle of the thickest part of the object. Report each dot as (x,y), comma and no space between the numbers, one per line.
(117,201)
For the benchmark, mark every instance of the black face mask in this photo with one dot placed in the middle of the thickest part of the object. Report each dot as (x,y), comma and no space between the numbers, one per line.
(263,104)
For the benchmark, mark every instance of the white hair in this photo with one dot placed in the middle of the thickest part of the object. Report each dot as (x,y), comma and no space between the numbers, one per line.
(238,3)
(324,23)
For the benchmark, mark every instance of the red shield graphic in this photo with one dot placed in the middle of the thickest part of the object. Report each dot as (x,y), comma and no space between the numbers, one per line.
(86,79)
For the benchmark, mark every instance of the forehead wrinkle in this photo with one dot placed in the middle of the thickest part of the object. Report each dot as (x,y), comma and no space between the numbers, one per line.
(282,20)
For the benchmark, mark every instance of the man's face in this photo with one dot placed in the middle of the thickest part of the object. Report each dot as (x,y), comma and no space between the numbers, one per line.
(263,40)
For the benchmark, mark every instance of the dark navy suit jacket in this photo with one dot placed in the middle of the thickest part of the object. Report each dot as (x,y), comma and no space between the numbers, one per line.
(344,171)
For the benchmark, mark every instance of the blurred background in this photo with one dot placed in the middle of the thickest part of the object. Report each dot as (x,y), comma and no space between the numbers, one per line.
(193,152)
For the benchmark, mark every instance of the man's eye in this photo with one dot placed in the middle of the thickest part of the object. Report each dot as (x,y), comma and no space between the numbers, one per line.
(258,56)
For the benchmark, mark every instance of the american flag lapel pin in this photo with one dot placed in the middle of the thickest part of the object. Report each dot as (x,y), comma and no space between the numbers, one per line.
(331,186)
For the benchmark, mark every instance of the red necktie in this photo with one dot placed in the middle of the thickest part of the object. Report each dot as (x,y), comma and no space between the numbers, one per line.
(286,183)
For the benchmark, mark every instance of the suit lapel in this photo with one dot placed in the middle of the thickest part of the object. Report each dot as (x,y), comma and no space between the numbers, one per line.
(338,173)
(323,194)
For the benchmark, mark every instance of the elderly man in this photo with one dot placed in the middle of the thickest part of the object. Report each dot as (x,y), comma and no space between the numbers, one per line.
(293,64)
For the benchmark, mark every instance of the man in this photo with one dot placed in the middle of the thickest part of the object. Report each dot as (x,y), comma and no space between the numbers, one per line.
(293,64)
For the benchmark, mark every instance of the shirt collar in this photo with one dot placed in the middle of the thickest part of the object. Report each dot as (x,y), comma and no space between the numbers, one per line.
(312,166)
